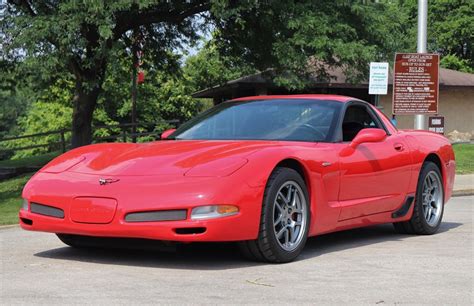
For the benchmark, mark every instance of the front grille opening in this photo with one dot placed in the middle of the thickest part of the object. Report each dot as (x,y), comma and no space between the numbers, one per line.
(190,230)
(26,221)
(155,216)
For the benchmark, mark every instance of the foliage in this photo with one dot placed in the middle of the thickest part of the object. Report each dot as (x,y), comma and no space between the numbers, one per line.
(209,68)
(287,35)
(81,37)
(13,100)
(31,161)
(51,112)
(10,199)
(451,61)
(450,30)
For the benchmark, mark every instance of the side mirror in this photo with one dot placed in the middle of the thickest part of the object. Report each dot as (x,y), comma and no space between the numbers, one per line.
(166,133)
(368,135)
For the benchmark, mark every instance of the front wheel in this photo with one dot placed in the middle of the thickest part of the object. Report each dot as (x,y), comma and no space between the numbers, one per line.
(429,203)
(284,221)
(70,240)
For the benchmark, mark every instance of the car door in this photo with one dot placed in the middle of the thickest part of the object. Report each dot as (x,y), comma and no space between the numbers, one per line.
(374,176)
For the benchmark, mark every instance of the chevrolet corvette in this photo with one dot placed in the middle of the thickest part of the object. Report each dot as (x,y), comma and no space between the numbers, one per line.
(266,172)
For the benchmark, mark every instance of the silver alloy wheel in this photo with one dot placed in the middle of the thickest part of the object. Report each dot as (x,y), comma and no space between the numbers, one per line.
(289,215)
(432,198)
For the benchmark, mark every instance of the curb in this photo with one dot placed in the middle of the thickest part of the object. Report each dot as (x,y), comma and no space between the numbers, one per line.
(8,226)
(464,192)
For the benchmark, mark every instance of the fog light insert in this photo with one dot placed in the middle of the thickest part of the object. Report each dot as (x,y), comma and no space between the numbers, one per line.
(213,211)
(25,205)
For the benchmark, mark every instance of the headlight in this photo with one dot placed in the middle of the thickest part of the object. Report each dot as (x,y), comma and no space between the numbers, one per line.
(25,205)
(213,211)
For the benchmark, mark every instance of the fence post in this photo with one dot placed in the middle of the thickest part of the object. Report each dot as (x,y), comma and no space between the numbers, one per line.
(124,135)
(63,141)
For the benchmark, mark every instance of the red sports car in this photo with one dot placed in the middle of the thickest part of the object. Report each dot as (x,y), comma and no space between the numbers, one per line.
(265,171)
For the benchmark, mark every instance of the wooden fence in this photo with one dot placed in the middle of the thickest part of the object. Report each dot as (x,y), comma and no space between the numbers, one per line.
(127,133)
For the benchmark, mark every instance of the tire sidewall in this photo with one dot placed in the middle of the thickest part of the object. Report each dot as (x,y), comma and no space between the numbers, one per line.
(427,168)
(285,175)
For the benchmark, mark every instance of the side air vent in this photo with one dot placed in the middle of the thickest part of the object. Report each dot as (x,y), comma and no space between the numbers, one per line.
(46,210)
(403,210)
(160,215)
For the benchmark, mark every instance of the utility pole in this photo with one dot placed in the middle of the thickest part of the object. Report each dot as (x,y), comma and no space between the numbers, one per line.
(134,83)
(421,48)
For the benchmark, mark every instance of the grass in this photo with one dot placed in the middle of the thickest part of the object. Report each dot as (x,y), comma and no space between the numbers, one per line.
(38,160)
(10,198)
(464,158)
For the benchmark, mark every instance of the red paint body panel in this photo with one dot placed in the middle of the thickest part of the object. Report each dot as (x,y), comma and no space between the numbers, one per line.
(92,210)
(348,187)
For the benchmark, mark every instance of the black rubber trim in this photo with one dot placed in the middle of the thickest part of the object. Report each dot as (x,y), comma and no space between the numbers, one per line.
(402,211)
(46,210)
(161,215)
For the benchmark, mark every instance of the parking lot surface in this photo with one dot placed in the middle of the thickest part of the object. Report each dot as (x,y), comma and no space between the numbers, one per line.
(363,266)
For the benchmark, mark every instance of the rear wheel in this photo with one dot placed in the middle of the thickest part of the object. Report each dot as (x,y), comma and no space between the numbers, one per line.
(284,221)
(429,203)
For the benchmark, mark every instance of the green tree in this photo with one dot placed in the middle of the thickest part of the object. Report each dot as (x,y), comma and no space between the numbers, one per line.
(210,68)
(84,37)
(290,35)
(450,30)
(79,36)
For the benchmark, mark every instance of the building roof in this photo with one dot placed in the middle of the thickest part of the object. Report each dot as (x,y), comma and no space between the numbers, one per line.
(336,79)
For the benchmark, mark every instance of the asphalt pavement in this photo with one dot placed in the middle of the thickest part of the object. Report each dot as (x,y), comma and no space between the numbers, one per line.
(363,266)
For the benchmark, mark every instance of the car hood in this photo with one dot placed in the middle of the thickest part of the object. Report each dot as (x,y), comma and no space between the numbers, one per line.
(180,157)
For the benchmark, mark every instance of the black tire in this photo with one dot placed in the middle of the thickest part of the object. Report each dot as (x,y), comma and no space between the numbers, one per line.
(266,247)
(418,224)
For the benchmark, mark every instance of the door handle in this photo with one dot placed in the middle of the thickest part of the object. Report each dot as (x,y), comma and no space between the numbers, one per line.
(398,147)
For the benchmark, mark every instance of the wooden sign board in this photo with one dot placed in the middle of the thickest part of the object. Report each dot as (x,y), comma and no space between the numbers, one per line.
(415,84)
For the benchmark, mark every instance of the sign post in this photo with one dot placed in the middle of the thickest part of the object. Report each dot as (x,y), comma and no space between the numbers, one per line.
(421,47)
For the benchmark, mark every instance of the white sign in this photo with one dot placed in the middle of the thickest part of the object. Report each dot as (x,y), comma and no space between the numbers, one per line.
(378,79)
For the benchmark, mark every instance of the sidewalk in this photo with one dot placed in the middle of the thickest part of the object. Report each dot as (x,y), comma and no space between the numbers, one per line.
(463,184)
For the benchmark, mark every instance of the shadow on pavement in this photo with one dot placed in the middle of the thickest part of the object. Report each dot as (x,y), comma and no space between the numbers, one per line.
(223,256)
(359,237)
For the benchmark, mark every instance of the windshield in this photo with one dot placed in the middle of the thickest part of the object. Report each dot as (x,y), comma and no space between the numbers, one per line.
(276,119)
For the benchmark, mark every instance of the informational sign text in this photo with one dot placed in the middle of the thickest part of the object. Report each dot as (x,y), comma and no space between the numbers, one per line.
(415,84)
(378,78)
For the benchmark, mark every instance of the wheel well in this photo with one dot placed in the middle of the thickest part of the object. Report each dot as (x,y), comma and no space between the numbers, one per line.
(298,167)
(432,157)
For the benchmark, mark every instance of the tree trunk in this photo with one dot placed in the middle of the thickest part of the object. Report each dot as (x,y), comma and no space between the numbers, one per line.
(84,104)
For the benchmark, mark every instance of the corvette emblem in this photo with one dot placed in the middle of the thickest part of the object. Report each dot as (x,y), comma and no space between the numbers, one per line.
(105,181)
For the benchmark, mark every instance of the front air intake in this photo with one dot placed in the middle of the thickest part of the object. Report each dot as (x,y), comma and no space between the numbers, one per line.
(46,210)
(160,215)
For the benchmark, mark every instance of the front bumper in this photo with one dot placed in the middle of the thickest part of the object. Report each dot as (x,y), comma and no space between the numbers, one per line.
(139,194)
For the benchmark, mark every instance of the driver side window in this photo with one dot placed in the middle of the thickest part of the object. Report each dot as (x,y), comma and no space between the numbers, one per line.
(357,118)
